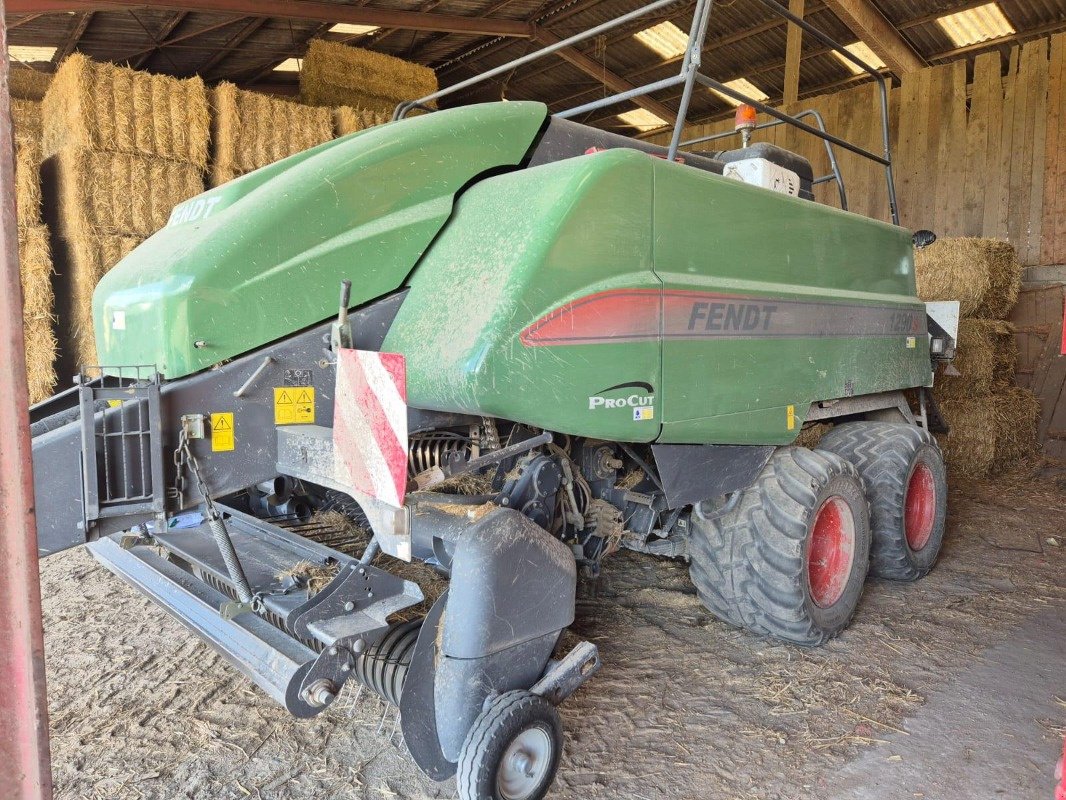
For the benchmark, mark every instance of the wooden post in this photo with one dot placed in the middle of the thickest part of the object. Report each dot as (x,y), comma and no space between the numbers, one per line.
(25,773)
(793,46)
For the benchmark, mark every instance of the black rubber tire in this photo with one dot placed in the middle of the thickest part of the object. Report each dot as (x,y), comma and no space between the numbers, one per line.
(495,728)
(886,455)
(750,566)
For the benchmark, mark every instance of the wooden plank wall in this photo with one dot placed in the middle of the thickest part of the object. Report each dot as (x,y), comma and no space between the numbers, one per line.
(1038,320)
(988,159)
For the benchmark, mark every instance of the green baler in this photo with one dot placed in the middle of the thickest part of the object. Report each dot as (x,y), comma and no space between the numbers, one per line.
(551,343)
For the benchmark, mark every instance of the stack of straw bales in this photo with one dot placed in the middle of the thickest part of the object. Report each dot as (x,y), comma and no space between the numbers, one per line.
(35,258)
(335,75)
(993,423)
(123,148)
(251,130)
(352,120)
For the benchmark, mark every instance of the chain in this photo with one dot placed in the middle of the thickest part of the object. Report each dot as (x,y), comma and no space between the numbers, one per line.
(183,458)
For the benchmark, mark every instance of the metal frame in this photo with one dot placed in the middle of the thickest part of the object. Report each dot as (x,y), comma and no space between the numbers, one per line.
(689,76)
(104,495)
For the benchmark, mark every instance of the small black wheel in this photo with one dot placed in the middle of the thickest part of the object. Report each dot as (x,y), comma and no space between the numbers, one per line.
(790,560)
(512,751)
(906,483)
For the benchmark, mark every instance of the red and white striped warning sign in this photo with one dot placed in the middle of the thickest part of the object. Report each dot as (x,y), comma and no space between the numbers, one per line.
(370,424)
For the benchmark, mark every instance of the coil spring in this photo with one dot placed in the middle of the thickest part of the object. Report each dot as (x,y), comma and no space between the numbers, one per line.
(382,668)
(427,450)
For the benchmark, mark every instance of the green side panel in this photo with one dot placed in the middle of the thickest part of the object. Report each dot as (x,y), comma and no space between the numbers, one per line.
(519,246)
(718,236)
(263,256)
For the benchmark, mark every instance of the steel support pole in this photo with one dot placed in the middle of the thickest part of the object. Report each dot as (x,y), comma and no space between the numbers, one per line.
(25,772)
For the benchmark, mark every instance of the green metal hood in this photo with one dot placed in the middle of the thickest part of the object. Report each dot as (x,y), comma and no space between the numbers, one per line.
(261,257)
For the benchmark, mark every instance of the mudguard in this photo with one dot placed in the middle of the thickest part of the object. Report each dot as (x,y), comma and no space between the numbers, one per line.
(512,592)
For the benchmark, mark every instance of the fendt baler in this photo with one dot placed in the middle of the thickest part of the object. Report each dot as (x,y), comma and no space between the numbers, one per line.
(551,342)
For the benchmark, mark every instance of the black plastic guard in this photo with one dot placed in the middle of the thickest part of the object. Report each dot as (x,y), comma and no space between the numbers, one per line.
(692,473)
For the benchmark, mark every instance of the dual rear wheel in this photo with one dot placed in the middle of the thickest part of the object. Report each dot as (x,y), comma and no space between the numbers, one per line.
(790,559)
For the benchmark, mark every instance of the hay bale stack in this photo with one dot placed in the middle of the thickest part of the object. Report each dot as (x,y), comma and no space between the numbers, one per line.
(982,274)
(336,75)
(1018,416)
(87,259)
(352,120)
(35,258)
(251,130)
(24,83)
(38,304)
(986,357)
(990,434)
(92,106)
(122,149)
(26,118)
(118,194)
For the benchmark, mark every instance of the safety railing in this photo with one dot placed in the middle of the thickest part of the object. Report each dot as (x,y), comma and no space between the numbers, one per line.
(689,76)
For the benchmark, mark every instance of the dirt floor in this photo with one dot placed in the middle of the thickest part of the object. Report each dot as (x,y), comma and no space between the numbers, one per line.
(684,707)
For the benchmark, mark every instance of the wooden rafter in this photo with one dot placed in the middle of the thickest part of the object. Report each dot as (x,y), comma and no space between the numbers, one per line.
(20,22)
(312,10)
(559,13)
(793,48)
(260,71)
(164,32)
(613,81)
(74,38)
(231,44)
(870,25)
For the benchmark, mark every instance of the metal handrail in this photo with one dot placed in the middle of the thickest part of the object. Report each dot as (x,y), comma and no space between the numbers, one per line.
(690,75)
(834,169)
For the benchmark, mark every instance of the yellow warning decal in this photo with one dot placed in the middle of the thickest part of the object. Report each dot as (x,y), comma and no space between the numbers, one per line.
(911,342)
(294,405)
(222,432)
(790,416)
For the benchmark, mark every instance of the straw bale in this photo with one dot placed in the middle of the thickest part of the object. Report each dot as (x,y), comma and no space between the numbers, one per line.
(811,435)
(352,120)
(1005,279)
(1018,415)
(990,433)
(27,84)
(251,130)
(38,309)
(986,358)
(106,107)
(970,447)
(88,259)
(334,74)
(118,193)
(28,181)
(26,116)
(982,274)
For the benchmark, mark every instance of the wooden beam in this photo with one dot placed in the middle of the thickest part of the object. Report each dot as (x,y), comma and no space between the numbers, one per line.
(793,48)
(558,13)
(19,22)
(613,81)
(74,38)
(870,25)
(313,10)
(232,44)
(164,32)
(260,71)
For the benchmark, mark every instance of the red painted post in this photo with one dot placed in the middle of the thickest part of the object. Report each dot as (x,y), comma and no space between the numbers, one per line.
(25,772)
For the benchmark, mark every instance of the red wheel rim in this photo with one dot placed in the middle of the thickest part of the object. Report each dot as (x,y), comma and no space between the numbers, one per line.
(832,551)
(919,511)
